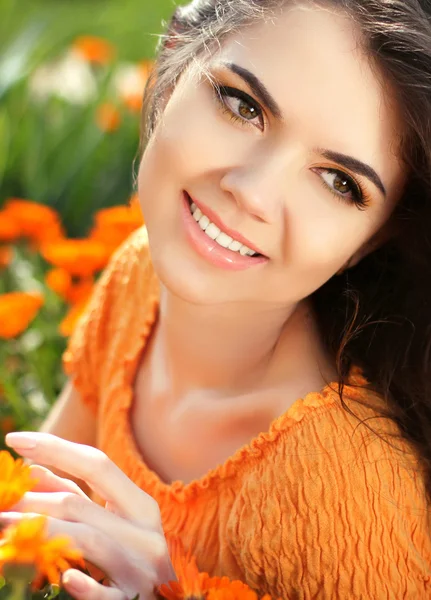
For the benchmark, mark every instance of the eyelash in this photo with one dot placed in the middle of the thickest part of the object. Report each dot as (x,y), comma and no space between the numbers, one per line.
(221,92)
(360,198)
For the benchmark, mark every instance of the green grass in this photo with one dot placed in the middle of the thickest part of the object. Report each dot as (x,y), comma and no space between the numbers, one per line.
(53,152)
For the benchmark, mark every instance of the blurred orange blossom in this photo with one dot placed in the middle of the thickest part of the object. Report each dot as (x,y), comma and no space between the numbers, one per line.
(35,221)
(108,117)
(59,281)
(80,257)
(195,585)
(132,90)
(9,227)
(114,225)
(27,544)
(17,310)
(94,49)
(15,480)
(6,254)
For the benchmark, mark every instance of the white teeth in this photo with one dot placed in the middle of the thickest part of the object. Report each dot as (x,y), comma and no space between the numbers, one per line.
(204,222)
(212,231)
(235,246)
(197,214)
(224,240)
(216,234)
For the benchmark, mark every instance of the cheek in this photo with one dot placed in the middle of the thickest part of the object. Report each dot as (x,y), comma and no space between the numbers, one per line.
(193,139)
(318,245)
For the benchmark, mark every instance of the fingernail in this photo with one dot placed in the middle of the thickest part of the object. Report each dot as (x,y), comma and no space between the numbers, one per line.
(75,583)
(26,441)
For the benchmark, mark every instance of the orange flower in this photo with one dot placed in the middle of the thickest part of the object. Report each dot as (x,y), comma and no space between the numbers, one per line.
(27,544)
(81,291)
(133,101)
(35,221)
(108,117)
(6,254)
(59,281)
(114,225)
(94,49)
(17,310)
(15,480)
(68,324)
(132,90)
(9,227)
(80,257)
(127,217)
(194,585)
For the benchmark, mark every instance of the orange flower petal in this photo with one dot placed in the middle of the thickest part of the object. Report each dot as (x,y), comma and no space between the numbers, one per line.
(194,585)
(133,101)
(9,227)
(17,310)
(108,117)
(81,257)
(119,216)
(114,225)
(94,49)
(59,281)
(6,254)
(36,221)
(68,324)
(27,543)
(15,480)
(81,291)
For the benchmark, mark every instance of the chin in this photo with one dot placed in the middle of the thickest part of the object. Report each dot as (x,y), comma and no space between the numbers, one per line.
(189,278)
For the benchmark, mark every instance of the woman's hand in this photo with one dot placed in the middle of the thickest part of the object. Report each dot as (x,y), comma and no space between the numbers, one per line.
(125,539)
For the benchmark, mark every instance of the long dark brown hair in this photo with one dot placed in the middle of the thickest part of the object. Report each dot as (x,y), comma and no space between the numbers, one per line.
(376,315)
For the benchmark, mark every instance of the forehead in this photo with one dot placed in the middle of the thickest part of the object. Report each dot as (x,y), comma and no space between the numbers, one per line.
(311,61)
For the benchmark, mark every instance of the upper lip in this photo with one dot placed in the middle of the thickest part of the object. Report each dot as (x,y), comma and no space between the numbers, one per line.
(214,218)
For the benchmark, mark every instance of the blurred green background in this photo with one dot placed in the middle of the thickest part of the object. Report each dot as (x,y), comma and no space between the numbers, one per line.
(50,149)
(69,134)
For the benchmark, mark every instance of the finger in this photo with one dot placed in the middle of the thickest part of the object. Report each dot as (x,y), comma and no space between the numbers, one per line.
(82,586)
(92,466)
(50,482)
(74,508)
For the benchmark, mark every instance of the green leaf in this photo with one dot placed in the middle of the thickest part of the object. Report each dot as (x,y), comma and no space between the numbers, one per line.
(14,61)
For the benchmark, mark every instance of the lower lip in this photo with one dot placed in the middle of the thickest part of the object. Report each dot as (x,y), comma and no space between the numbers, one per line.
(209,249)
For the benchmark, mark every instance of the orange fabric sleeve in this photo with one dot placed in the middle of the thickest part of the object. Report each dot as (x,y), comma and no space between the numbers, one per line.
(350,523)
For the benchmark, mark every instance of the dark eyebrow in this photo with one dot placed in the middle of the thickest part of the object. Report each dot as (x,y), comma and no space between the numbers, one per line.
(257,87)
(354,165)
(264,96)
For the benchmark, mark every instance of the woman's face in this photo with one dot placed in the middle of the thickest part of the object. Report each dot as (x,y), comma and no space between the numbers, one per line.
(295,154)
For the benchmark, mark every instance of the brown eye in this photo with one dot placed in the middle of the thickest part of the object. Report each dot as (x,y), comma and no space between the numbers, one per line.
(241,106)
(246,111)
(341,184)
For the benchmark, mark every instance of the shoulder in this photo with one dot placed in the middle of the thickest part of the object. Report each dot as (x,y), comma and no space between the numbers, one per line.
(125,295)
(339,507)
(128,273)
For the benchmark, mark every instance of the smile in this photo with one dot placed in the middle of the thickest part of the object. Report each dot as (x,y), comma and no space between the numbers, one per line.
(220,234)
(216,242)
(212,231)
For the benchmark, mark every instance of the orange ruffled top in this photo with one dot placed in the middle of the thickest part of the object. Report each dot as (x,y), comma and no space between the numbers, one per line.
(308,509)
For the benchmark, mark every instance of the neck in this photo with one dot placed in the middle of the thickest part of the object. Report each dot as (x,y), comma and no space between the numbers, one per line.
(230,350)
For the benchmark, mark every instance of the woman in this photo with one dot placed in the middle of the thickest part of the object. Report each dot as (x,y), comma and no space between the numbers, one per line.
(285,186)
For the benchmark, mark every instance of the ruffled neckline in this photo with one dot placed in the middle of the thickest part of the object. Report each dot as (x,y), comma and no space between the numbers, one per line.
(301,409)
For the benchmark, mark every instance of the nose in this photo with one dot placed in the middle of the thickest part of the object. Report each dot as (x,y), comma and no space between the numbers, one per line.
(257,188)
